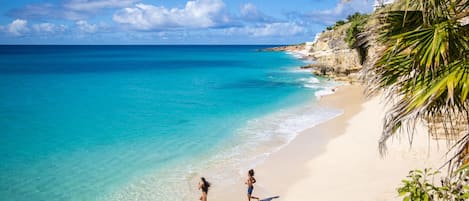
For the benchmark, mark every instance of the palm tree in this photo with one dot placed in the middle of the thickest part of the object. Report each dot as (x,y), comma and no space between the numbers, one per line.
(424,68)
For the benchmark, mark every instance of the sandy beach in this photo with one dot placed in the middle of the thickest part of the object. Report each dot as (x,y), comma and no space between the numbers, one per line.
(339,159)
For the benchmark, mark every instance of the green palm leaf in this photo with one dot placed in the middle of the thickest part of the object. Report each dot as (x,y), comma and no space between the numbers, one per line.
(424,67)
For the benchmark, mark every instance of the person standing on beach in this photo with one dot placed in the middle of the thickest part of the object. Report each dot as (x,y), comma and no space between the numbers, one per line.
(203,185)
(250,182)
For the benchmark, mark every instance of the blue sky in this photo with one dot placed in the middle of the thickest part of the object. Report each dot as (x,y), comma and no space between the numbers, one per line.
(170,21)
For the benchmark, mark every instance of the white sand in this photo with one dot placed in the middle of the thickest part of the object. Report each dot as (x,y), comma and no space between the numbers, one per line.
(348,166)
(351,168)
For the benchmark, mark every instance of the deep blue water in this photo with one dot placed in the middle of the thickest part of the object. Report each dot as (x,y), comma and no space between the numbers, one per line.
(85,122)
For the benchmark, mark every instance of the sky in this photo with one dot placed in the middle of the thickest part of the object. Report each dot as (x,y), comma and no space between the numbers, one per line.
(170,21)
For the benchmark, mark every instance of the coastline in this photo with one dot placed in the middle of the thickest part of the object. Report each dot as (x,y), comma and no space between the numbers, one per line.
(336,157)
(288,166)
(270,172)
(339,159)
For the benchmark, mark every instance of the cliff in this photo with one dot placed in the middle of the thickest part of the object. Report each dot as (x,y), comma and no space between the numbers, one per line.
(331,51)
(333,57)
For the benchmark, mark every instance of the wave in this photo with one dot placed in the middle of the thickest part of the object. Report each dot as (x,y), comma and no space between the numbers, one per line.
(324,92)
(297,55)
(226,166)
(321,89)
(310,80)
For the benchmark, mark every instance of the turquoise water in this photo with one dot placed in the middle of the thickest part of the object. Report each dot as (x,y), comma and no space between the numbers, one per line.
(138,122)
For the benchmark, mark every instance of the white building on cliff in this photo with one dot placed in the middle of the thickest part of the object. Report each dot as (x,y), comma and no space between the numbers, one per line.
(382,3)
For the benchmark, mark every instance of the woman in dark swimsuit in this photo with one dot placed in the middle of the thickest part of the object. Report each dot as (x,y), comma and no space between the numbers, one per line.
(250,182)
(203,185)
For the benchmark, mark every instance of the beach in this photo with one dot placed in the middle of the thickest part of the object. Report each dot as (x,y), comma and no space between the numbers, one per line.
(189,100)
(340,160)
(148,124)
(151,133)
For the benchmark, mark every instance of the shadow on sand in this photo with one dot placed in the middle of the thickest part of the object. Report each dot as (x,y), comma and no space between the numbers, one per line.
(271,198)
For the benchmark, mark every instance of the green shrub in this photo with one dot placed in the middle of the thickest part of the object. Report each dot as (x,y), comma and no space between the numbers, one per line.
(419,186)
(337,24)
(357,26)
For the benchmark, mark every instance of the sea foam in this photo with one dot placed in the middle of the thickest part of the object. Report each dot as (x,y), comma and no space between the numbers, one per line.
(249,146)
(145,122)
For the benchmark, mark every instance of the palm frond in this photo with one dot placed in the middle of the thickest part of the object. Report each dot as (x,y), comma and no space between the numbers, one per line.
(424,67)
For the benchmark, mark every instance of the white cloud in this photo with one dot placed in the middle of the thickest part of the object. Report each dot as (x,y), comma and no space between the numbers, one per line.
(340,11)
(44,27)
(250,12)
(248,9)
(94,5)
(48,28)
(85,27)
(269,29)
(195,14)
(18,27)
(67,9)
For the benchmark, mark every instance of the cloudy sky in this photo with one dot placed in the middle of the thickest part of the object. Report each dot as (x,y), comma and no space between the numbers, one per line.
(170,21)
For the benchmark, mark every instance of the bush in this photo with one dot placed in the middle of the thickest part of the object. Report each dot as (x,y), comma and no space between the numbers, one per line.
(418,187)
(337,24)
(358,22)
(357,26)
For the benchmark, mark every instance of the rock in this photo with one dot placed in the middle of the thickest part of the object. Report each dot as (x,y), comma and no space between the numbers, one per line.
(297,47)
(331,50)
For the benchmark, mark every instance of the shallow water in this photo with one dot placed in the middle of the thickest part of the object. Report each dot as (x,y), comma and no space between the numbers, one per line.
(140,122)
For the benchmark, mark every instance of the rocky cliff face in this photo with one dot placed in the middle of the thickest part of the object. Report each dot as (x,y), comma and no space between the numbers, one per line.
(333,57)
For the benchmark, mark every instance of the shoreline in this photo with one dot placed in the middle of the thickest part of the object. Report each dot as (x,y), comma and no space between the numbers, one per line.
(309,143)
(299,147)
(339,159)
(226,167)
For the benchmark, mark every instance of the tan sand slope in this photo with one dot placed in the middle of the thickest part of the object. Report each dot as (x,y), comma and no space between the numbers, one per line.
(339,160)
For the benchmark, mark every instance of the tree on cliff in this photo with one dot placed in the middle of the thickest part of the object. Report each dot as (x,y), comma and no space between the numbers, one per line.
(424,67)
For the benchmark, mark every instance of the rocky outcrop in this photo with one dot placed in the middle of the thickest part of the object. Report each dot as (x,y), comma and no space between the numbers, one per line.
(333,57)
(291,48)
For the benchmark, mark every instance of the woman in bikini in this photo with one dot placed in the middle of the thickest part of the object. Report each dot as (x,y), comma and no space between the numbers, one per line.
(250,182)
(203,185)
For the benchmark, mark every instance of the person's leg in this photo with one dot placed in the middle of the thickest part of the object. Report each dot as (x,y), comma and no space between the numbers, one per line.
(250,194)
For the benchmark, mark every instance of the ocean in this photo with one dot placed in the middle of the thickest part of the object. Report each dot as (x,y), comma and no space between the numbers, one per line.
(145,122)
